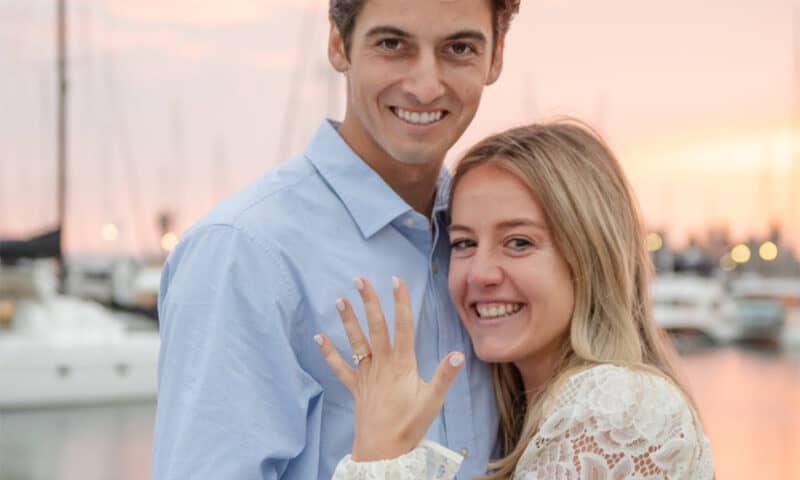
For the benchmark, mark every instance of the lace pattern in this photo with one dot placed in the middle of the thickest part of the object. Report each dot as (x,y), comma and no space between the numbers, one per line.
(607,423)
(428,461)
(613,423)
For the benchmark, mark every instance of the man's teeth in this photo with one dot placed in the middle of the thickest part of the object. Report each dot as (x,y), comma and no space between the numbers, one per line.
(493,310)
(423,118)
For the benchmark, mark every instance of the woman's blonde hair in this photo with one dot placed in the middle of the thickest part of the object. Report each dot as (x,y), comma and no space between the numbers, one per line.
(594,220)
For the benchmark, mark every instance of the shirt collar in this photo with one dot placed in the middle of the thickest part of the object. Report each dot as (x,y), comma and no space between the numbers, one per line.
(441,211)
(370,201)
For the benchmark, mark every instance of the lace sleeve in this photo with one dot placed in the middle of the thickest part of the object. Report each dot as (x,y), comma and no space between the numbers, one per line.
(429,461)
(614,423)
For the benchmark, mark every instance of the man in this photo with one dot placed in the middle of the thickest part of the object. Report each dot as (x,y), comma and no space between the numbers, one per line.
(244,392)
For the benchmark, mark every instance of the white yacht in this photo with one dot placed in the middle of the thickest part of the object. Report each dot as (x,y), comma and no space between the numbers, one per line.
(119,281)
(57,349)
(693,304)
(768,305)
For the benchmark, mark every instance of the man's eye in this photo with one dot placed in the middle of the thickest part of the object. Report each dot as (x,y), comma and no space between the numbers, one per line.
(461,49)
(390,43)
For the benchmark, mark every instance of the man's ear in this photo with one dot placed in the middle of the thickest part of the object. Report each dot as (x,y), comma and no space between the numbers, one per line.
(337,54)
(497,62)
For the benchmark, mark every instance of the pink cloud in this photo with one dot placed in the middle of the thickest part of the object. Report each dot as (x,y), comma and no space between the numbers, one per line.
(203,12)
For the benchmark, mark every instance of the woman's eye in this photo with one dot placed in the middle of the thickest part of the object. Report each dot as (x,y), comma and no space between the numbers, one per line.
(461,244)
(519,243)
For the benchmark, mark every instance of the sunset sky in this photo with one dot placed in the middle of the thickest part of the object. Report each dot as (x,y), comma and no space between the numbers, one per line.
(177,104)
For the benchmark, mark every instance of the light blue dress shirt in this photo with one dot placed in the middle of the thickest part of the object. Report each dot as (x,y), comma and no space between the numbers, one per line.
(244,392)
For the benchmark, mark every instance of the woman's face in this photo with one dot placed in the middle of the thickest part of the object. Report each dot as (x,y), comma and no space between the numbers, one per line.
(508,280)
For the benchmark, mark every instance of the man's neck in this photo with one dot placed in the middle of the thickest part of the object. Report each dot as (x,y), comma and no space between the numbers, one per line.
(415,184)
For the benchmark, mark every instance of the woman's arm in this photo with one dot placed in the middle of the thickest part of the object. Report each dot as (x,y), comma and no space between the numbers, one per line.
(393,406)
(429,461)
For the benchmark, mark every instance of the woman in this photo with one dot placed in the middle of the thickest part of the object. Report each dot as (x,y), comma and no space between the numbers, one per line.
(550,275)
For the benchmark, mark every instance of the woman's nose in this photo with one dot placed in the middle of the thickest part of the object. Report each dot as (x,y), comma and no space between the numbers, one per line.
(484,271)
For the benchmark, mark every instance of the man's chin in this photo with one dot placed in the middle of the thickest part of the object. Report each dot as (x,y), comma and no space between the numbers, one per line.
(418,157)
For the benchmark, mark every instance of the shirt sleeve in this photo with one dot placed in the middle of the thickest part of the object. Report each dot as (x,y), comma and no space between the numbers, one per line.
(429,461)
(233,401)
(611,422)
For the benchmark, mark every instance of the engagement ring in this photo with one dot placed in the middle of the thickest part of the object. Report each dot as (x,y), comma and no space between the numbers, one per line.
(357,358)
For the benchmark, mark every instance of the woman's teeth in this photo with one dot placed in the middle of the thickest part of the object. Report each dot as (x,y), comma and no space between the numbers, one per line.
(418,118)
(494,310)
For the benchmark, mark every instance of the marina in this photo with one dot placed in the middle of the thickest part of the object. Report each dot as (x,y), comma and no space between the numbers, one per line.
(747,396)
(159,113)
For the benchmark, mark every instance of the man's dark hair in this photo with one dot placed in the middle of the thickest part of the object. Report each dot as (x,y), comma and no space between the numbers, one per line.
(345,12)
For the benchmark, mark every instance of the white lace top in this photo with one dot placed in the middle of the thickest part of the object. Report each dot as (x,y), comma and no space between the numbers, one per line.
(607,422)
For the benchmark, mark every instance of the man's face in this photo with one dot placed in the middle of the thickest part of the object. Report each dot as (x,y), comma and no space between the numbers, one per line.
(415,73)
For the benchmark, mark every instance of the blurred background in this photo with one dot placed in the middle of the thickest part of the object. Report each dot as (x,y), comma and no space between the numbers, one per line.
(124,121)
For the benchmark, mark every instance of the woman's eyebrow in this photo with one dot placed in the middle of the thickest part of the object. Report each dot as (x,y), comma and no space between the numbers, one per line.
(503,225)
(521,222)
(459,228)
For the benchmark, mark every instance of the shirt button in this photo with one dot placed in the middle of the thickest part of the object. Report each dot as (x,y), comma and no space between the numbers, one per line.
(434,268)
(463,452)
(409,222)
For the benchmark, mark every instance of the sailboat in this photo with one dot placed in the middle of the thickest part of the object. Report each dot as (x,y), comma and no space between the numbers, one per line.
(54,348)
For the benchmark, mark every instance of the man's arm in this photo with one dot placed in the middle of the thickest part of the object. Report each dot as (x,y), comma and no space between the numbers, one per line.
(233,401)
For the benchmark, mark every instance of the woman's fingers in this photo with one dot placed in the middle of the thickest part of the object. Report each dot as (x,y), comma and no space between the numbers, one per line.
(340,368)
(378,333)
(358,342)
(445,374)
(403,320)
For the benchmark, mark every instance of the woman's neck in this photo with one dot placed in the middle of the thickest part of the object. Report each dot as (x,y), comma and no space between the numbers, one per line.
(537,371)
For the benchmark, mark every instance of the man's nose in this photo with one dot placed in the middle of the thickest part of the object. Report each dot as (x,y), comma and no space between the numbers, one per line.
(424,82)
(484,271)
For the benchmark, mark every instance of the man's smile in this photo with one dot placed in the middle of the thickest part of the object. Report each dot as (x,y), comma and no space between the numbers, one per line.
(419,117)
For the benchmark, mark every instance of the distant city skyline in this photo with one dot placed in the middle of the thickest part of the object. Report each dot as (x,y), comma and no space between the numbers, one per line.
(175,105)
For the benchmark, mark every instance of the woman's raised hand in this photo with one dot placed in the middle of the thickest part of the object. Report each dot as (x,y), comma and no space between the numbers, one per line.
(393,406)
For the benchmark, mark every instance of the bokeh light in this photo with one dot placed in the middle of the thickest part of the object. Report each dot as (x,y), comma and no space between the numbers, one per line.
(727,264)
(168,241)
(741,253)
(654,242)
(768,251)
(110,232)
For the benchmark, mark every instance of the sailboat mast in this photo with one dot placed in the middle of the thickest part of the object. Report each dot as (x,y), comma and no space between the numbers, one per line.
(61,126)
(794,172)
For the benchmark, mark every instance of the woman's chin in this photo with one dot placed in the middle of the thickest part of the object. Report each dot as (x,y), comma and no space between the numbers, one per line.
(493,354)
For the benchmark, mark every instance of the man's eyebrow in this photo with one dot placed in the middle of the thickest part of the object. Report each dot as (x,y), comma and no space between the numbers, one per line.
(387,30)
(476,35)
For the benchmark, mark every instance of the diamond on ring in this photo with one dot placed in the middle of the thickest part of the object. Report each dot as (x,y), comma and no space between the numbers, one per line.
(358,357)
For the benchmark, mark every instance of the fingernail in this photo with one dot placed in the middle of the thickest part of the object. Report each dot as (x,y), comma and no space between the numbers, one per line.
(457,359)
(359,284)
(340,304)
(318,338)
(395,282)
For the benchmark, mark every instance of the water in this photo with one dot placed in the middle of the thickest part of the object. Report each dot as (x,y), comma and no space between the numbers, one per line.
(749,400)
(88,443)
